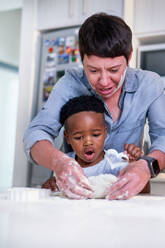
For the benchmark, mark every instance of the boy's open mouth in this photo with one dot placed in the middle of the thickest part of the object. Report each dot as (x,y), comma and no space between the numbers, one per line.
(89,154)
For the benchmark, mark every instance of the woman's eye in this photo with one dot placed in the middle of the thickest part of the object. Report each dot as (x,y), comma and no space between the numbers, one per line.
(93,71)
(114,70)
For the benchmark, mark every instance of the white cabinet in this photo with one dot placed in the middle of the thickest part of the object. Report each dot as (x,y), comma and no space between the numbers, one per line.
(149,16)
(53,14)
(56,13)
(89,7)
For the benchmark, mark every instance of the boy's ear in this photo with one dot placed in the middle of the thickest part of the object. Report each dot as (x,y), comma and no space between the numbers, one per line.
(66,137)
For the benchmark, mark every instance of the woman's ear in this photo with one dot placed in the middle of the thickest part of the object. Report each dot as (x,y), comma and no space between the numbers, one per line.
(66,137)
(130,56)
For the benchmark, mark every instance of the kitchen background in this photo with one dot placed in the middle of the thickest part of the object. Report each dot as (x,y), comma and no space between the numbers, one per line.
(33,32)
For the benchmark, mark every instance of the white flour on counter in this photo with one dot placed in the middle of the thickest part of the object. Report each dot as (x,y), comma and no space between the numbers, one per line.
(68,223)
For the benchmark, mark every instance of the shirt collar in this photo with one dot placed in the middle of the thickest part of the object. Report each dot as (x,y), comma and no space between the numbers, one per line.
(130,84)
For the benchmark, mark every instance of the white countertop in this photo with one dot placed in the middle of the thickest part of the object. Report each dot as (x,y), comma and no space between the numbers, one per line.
(57,222)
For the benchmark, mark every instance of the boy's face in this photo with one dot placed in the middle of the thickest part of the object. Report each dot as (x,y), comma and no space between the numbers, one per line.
(86,132)
(104,74)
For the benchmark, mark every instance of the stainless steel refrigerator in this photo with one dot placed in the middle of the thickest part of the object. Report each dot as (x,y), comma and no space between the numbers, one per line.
(58,52)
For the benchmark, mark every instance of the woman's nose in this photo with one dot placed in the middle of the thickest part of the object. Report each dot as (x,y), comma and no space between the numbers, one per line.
(103,79)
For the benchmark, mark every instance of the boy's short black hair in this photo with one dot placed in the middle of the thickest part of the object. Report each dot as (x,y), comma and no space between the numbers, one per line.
(79,104)
(105,35)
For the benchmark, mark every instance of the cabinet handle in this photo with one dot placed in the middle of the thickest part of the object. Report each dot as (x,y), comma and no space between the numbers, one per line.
(70,8)
(84,7)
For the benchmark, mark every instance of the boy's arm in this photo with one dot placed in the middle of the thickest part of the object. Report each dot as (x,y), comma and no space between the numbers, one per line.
(50,184)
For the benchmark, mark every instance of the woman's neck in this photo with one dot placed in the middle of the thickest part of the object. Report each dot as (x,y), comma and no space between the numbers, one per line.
(113,105)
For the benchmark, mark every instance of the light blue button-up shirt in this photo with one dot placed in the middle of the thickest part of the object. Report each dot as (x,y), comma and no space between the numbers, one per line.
(142,97)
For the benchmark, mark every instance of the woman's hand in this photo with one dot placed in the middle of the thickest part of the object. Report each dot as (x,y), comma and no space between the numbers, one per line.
(131,181)
(71,179)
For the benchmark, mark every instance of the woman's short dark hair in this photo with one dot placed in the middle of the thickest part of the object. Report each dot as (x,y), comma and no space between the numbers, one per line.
(105,35)
(79,104)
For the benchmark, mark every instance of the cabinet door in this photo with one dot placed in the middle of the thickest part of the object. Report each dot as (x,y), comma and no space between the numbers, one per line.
(81,9)
(149,16)
(52,14)
(89,7)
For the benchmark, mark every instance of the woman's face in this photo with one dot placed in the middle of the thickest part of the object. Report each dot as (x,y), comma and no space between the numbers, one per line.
(104,74)
(86,132)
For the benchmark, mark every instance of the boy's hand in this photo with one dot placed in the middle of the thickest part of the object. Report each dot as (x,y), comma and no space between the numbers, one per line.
(133,152)
(50,184)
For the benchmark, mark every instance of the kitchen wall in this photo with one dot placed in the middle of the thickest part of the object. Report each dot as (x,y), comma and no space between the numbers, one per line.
(10,23)
(8,113)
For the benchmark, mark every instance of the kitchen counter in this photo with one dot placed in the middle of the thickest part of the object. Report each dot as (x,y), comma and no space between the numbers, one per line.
(56,222)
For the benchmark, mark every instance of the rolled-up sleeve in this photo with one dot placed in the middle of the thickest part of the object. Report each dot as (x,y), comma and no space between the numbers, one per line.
(43,127)
(30,138)
(46,126)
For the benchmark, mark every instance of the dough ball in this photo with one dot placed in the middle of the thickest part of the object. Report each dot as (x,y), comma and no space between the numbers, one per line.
(101,184)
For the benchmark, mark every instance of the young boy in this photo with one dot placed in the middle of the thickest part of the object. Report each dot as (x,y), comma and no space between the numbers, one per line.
(85,130)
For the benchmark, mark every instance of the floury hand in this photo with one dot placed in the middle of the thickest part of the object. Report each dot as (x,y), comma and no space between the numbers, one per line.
(71,179)
(131,181)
